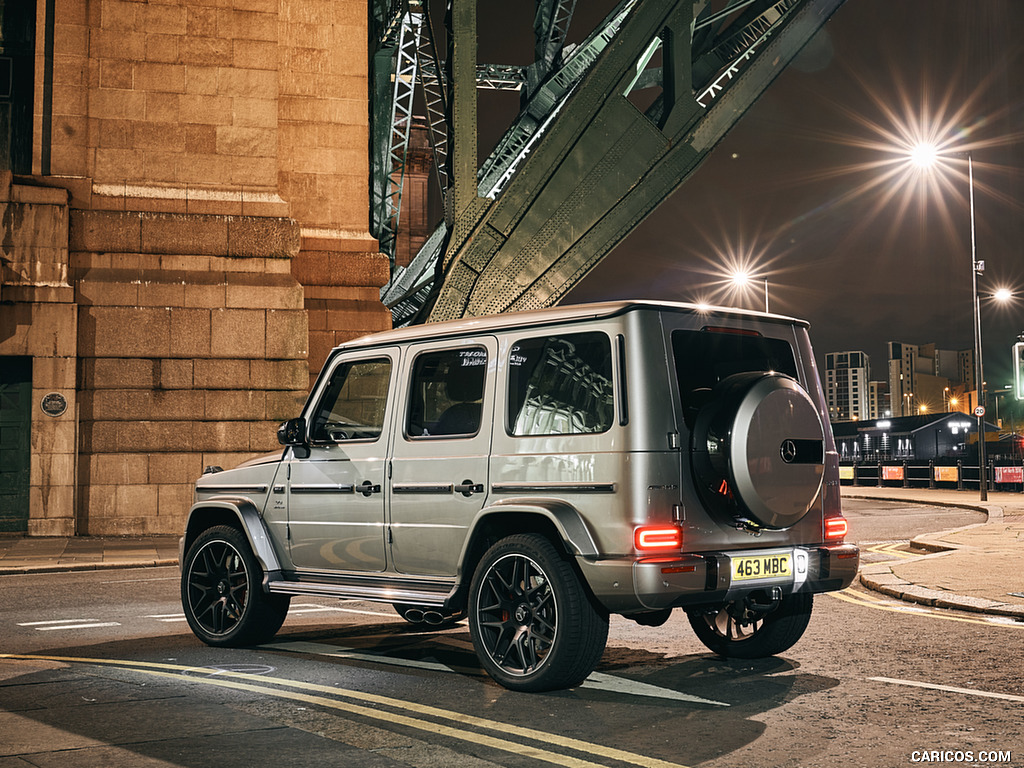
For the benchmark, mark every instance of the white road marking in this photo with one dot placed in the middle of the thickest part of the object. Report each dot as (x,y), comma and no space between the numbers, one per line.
(600,681)
(167,617)
(314,608)
(597,680)
(949,689)
(54,621)
(341,652)
(57,624)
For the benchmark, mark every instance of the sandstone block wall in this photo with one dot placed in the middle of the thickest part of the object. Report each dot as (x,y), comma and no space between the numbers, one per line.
(185,359)
(203,244)
(38,320)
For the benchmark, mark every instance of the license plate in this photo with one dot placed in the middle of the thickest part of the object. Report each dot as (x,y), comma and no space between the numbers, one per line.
(775,565)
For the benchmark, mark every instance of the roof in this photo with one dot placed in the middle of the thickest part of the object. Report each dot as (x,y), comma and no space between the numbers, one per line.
(553,315)
(901,425)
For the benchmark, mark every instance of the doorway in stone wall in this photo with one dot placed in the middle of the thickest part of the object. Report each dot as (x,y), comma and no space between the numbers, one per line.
(15,442)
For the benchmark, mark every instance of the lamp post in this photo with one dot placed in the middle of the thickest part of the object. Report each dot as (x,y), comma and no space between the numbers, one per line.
(977,267)
(926,156)
(742,278)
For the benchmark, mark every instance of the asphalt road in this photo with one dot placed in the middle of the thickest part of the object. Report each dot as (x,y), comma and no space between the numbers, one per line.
(109,675)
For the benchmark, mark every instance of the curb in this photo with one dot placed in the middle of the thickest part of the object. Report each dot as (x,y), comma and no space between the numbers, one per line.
(77,567)
(879,577)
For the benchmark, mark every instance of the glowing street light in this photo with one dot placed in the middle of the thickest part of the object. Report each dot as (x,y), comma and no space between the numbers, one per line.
(742,279)
(926,155)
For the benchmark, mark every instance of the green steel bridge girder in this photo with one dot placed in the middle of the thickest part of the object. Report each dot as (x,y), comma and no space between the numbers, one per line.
(603,164)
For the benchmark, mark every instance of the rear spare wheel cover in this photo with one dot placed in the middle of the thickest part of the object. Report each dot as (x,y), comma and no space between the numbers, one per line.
(776,454)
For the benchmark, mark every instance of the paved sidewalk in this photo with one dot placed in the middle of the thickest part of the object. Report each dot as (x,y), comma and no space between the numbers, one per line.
(976,568)
(20,554)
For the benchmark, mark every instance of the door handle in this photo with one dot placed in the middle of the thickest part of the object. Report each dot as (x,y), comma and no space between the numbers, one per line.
(467,488)
(368,488)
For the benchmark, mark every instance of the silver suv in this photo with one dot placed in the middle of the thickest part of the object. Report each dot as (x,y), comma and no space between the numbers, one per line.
(535,473)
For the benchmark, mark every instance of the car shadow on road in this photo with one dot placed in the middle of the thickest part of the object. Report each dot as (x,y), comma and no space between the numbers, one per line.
(702,706)
(684,709)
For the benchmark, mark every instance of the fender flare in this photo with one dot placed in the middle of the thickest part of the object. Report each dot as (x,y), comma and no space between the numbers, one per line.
(573,530)
(249,521)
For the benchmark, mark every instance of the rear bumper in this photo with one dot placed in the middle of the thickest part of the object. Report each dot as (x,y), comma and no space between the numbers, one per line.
(632,585)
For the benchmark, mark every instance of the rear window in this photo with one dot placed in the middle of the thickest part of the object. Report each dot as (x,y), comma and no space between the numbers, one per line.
(704,358)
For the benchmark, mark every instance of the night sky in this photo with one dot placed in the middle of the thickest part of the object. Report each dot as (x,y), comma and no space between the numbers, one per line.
(805,190)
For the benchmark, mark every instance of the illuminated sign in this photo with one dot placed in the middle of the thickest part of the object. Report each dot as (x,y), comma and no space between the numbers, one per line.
(1018,370)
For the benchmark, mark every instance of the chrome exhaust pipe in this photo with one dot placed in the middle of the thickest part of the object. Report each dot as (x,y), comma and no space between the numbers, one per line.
(434,617)
(414,615)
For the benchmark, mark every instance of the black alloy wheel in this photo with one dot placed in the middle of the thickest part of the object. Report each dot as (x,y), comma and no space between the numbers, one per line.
(755,637)
(222,594)
(533,624)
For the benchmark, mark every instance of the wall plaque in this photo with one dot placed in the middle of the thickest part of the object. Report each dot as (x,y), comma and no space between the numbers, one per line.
(54,404)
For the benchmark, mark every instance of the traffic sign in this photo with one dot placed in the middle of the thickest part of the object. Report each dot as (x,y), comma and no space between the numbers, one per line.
(979,411)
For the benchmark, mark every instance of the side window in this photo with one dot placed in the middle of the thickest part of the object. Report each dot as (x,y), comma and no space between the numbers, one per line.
(447,393)
(352,406)
(560,385)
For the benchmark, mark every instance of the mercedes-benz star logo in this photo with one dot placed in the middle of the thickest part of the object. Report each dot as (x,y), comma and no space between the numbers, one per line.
(788,451)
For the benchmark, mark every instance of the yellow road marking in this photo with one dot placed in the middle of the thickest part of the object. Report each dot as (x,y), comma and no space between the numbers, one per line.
(892,549)
(857,598)
(177,671)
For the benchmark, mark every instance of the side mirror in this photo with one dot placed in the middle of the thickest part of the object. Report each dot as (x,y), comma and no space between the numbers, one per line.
(292,432)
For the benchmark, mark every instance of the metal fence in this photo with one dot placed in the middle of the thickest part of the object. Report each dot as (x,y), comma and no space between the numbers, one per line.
(931,474)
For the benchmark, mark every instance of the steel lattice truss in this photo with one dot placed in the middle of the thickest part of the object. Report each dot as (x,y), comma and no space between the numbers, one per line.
(607,130)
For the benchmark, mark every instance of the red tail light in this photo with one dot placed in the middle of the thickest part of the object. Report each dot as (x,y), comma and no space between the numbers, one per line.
(657,538)
(836,528)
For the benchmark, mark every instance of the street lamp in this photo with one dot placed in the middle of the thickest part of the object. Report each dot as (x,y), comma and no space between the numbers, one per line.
(741,279)
(976,269)
(926,156)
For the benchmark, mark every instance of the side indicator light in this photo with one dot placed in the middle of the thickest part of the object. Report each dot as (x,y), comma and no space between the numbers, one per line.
(836,528)
(650,538)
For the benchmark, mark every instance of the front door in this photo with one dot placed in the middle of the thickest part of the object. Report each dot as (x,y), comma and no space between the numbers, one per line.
(440,457)
(15,442)
(336,494)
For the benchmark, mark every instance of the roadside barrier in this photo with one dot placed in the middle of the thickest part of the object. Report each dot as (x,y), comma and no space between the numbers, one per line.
(930,474)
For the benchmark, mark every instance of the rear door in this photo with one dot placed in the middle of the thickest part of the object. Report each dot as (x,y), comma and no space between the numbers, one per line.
(439,472)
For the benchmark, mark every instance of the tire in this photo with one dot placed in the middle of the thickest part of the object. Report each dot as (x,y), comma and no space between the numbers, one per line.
(222,591)
(532,621)
(774,633)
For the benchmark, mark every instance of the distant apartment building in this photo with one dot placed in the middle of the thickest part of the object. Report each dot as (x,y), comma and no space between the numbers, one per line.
(879,406)
(921,378)
(847,386)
